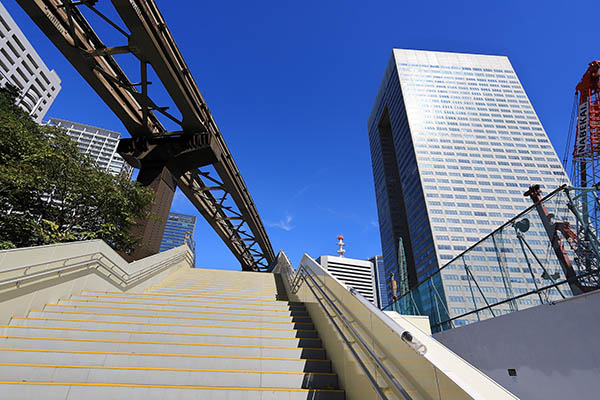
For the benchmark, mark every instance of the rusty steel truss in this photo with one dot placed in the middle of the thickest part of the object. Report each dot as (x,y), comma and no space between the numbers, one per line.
(195,157)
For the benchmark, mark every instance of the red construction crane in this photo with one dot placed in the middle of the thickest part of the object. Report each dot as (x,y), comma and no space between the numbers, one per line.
(582,239)
(586,153)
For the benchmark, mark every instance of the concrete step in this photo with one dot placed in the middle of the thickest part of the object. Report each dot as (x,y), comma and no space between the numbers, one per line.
(208,328)
(182,298)
(216,288)
(218,313)
(178,305)
(239,287)
(72,391)
(149,346)
(134,359)
(215,294)
(236,320)
(44,372)
(243,338)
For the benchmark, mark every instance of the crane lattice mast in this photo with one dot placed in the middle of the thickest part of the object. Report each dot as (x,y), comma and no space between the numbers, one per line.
(586,151)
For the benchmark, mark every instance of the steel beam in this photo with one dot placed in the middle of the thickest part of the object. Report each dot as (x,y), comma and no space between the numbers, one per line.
(199,141)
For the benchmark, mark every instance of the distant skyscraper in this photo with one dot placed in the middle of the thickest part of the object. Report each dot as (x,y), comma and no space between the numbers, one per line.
(178,228)
(454,145)
(21,66)
(381,281)
(99,144)
(358,274)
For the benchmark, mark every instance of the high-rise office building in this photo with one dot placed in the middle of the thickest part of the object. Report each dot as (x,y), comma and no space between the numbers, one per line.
(454,143)
(381,281)
(98,143)
(21,66)
(358,274)
(179,230)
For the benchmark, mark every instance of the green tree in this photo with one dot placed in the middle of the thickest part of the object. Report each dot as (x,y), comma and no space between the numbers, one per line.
(51,193)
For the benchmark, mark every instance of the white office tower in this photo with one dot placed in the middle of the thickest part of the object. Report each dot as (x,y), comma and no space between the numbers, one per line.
(21,66)
(358,274)
(455,143)
(99,144)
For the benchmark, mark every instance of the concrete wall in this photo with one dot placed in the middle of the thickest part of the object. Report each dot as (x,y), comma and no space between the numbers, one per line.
(554,349)
(17,299)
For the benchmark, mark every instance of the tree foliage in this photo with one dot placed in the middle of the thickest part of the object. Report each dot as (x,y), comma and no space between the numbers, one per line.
(52,193)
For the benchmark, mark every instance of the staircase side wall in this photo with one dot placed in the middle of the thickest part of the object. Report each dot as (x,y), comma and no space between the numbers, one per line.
(17,300)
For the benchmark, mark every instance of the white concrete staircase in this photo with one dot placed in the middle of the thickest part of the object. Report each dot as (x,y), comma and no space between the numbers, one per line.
(198,334)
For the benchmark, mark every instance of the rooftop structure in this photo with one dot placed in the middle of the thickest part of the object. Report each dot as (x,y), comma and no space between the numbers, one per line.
(358,274)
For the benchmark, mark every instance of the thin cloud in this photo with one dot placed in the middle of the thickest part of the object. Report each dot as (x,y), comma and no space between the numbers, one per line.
(353,217)
(284,224)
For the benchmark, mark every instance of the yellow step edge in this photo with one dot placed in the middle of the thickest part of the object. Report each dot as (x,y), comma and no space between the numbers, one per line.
(122,353)
(160,324)
(169,316)
(133,295)
(243,288)
(235,285)
(212,294)
(175,305)
(173,386)
(158,309)
(242,285)
(201,294)
(210,290)
(162,369)
(186,301)
(245,346)
(152,333)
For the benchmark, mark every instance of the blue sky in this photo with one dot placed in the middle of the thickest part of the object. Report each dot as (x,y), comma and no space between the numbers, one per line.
(291,85)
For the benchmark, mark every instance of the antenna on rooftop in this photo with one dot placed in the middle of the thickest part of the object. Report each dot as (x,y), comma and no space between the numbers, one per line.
(341,244)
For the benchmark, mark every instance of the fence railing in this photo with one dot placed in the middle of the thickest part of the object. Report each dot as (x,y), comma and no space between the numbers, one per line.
(512,268)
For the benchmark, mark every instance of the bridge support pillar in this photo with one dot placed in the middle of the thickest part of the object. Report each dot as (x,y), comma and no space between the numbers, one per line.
(150,230)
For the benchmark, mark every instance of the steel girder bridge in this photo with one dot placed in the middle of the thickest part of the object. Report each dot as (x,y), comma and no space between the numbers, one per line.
(194,157)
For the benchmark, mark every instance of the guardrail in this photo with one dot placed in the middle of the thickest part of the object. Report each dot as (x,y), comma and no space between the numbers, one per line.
(97,261)
(375,356)
(304,274)
(38,275)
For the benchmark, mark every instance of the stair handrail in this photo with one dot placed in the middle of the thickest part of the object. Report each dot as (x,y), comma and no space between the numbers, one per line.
(301,274)
(108,268)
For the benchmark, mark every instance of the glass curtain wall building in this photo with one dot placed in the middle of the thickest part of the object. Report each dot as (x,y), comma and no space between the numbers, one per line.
(179,230)
(381,281)
(454,144)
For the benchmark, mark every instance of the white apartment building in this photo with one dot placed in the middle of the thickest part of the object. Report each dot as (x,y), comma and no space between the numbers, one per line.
(100,144)
(21,66)
(358,274)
